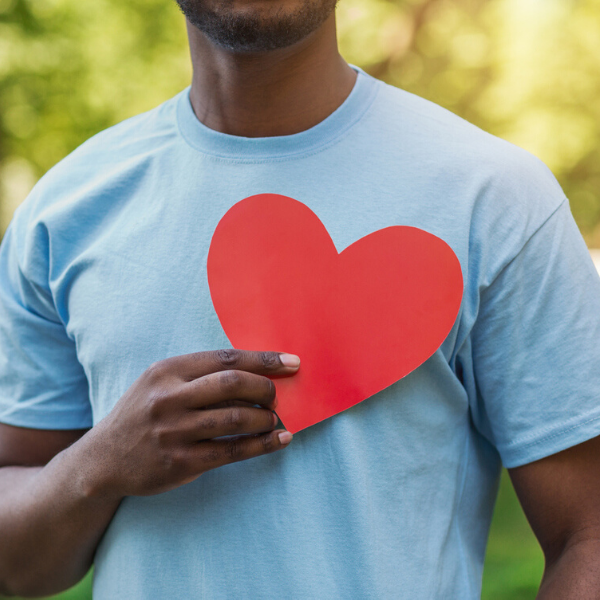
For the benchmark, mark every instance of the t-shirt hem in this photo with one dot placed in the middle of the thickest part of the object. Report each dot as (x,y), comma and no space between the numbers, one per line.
(551,442)
(57,420)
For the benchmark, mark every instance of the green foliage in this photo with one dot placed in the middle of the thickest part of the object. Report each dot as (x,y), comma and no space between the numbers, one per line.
(526,70)
(514,562)
(70,69)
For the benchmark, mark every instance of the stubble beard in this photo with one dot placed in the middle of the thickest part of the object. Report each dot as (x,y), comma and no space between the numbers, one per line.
(255,31)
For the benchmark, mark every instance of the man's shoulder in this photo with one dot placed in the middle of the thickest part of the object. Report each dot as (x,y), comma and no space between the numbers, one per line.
(427,121)
(442,147)
(115,154)
(136,135)
(453,142)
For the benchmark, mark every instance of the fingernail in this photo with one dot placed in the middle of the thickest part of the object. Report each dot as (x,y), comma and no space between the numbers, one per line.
(285,437)
(289,360)
(275,419)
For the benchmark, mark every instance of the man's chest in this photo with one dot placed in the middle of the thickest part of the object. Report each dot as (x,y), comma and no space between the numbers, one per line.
(139,293)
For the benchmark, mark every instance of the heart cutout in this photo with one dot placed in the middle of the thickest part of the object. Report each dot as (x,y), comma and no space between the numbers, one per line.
(360,320)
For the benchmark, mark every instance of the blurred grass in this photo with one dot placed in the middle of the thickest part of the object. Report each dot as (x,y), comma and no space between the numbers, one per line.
(514,562)
(82,591)
(513,567)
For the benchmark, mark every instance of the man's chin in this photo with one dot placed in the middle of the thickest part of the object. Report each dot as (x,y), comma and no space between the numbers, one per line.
(254,27)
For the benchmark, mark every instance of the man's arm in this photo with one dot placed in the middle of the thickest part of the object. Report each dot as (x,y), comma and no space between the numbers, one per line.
(60,490)
(44,515)
(560,495)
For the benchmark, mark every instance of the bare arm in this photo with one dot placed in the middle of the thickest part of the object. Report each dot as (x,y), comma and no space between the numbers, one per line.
(60,490)
(50,529)
(560,496)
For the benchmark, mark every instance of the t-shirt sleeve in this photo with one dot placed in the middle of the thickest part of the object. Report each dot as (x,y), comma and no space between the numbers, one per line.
(42,384)
(536,347)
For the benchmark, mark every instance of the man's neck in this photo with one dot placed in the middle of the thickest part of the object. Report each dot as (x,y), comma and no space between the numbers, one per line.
(281,92)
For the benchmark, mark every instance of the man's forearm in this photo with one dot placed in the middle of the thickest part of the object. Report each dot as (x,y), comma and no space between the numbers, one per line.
(182,417)
(50,523)
(575,574)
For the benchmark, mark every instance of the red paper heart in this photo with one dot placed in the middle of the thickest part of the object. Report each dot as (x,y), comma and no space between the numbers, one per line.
(360,320)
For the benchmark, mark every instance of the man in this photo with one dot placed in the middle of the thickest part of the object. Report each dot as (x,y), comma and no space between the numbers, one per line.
(118,406)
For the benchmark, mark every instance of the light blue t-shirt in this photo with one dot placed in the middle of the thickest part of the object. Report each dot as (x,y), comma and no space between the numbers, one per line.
(103,271)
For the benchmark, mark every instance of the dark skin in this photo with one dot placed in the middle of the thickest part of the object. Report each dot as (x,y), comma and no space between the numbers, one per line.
(280,92)
(559,495)
(60,489)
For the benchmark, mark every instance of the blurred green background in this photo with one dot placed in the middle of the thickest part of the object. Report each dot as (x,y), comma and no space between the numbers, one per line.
(525,70)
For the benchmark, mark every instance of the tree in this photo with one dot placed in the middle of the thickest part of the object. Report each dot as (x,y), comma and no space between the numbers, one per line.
(526,70)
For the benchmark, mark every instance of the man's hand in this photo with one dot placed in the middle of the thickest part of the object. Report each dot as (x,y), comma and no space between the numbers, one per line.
(168,428)
(59,490)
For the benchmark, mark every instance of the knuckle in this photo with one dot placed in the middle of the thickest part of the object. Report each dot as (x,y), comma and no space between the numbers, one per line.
(163,437)
(174,463)
(210,423)
(236,418)
(235,450)
(228,357)
(157,370)
(156,402)
(212,456)
(201,387)
(230,381)
(269,360)
(266,442)
(271,391)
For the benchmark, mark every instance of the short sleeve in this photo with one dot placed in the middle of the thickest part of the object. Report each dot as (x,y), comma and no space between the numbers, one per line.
(42,384)
(536,347)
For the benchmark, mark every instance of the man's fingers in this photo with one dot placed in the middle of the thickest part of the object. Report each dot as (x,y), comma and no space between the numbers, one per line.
(208,424)
(199,364)
(228,385)
(216,453)
(229,403)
